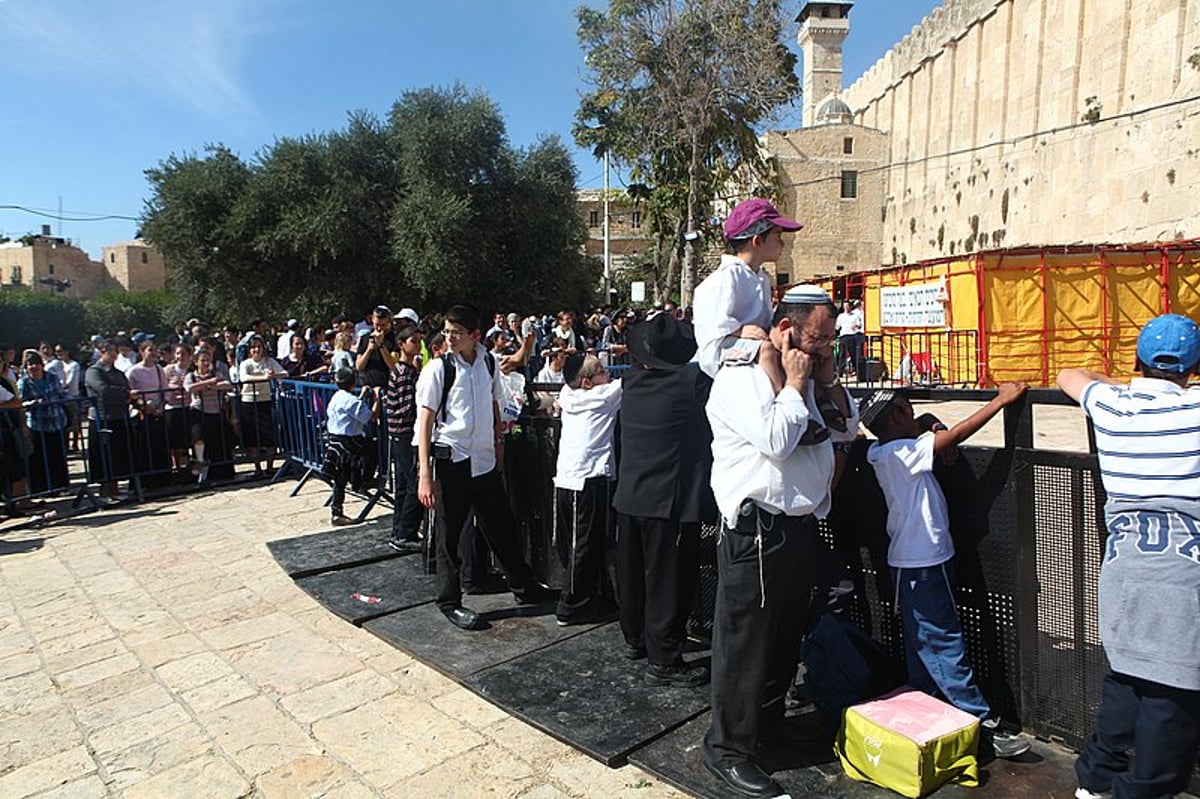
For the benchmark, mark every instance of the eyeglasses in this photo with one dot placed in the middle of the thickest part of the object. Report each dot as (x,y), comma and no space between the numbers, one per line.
(820,341)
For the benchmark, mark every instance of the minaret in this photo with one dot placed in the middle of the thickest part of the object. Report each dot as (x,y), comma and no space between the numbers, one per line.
(823,28)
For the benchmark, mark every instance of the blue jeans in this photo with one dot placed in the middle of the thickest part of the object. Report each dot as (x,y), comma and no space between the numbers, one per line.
(934,647)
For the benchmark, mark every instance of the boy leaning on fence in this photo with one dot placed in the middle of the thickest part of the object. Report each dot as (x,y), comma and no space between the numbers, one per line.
(921,549)
(1148,445)
(347,416)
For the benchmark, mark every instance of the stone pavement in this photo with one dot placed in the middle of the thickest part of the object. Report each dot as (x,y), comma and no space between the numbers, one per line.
(159,651)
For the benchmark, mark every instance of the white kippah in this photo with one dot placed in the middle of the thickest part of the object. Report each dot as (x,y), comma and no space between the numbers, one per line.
(806,294)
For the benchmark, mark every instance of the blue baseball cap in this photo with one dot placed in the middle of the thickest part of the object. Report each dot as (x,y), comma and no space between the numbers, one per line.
(1169,342)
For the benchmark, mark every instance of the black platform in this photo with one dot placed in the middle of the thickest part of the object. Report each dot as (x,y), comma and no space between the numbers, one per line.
(572,683)
(334,549)
(398,583)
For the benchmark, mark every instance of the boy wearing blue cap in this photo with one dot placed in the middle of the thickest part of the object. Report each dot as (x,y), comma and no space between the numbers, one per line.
(1148,444)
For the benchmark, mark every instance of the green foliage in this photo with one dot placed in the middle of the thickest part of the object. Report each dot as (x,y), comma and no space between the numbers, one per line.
(679,89)
(430,208)
(152,311)
(28,316)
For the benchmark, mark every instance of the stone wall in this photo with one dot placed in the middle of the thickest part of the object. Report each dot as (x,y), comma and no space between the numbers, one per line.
(135,265)
(1028,122)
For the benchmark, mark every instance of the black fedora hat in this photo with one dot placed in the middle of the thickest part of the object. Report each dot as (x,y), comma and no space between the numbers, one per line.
(662,342)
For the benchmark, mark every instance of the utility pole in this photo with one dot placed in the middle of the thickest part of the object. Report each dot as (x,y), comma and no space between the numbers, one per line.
(607,258)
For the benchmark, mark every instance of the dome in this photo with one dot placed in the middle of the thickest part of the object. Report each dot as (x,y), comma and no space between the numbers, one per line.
(834,111)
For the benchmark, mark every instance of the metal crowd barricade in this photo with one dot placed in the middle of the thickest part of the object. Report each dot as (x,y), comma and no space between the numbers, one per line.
(38,463)
(300,407)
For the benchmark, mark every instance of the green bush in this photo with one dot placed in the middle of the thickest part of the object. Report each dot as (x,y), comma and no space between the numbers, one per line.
(28,316)
(115,310)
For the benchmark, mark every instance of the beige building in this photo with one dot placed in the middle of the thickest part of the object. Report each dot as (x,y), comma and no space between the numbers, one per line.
(630,243)
(135,265)
(999,123)
(53,264)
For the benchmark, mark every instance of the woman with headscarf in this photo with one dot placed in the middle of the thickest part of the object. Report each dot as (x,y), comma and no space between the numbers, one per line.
(43,396)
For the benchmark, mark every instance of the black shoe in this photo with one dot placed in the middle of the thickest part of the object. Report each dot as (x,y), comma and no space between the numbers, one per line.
(634,652)
(681,673)
(534,594)
(596,615)
(745,779)
(405,544)
(464,618)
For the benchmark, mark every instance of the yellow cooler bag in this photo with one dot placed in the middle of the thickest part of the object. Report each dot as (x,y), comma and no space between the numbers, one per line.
(909,742)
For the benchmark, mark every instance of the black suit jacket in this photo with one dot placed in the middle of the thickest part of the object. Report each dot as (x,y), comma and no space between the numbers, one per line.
(666,446)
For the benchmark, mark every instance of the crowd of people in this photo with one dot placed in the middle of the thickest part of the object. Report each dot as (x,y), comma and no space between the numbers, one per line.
(736,418)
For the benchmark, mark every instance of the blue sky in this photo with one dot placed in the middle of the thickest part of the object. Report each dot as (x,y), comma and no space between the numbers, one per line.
(93,93)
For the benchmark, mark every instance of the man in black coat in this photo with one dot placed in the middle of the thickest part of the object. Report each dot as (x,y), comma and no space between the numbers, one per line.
(662,496)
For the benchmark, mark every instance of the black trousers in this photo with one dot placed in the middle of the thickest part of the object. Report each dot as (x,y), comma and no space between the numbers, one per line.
(343,467)
(1162,723)
(658,564)
(582,542)
(460,493)
(759,620)
(406,520)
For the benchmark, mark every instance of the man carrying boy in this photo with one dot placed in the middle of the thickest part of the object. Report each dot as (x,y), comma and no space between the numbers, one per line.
(1148,444)
(461,447)
(583,482)
(921,550)
(346,420)
(773,471)
(401,405)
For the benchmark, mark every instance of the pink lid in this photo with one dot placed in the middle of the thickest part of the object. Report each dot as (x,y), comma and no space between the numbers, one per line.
(915,715)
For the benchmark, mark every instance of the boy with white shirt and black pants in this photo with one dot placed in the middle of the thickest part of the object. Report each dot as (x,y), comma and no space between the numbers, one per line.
(921,549)
(461,447)
(583,478)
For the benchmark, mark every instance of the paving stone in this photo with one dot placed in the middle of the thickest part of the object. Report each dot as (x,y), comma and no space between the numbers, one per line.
(291,662)
(210,777)
(248,630)
(117,685)
(16,642)
(63,662)
(395,738)
(52,772)
(143,727)
(124,706)
(24,693)
(337,696)
(86,788)
(219,693)
(101,669)
(257,735)
(193,671)
(83,638)
(19,664)
(157,754)
(29,737)
(311,776)
(466,705)
(156,652)
(483,771)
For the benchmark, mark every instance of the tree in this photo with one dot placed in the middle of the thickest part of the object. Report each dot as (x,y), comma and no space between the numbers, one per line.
(429,208)
(679,86)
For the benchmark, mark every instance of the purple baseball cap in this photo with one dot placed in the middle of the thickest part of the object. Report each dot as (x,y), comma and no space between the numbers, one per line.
(754,216)
(1169,342)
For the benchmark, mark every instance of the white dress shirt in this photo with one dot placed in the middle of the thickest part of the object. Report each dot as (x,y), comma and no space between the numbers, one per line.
(469,428)
(731,297)
(585,447)
(756,449)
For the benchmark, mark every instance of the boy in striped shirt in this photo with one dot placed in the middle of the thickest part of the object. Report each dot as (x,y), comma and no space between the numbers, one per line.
(1148,444)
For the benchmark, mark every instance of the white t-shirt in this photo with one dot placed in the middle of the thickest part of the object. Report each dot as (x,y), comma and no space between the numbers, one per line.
(918,522)
(731,297)
(548,375)
(844,324)
(585,447)
(469,428)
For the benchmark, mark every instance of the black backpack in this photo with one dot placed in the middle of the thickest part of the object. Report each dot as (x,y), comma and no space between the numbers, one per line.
(448,375)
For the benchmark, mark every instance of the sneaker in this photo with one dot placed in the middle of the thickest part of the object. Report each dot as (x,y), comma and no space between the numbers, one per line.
(1007,744)
(405,545)
(1084,793)
(680,673)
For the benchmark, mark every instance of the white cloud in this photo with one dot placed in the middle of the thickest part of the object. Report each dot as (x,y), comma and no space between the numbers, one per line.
(187,54)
